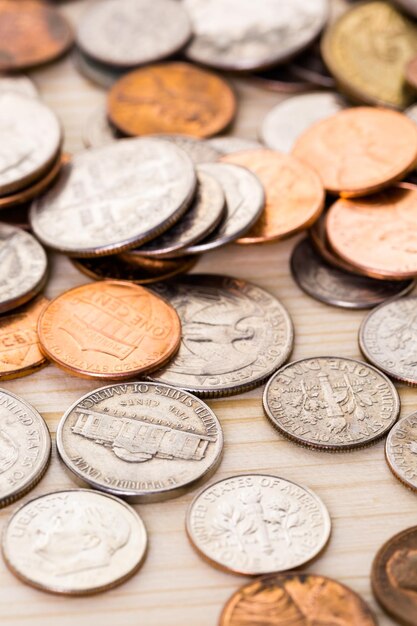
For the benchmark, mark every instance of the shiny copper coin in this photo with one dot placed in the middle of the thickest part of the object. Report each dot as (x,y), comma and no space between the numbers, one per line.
(394,577)
(294,194)
(111,330)
(359,151)
(296,600)
(31,33)
(20,352)
(377,235)
(171,98)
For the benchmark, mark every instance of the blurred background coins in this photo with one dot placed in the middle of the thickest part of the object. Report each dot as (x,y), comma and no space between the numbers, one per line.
(199,151)
(109,330)
(20,84)
(401,450)
(25,447)
(141,441)
(238,524)
(74,542)
(227,144)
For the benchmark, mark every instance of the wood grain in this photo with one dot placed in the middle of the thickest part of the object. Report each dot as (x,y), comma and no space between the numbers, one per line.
(175,587)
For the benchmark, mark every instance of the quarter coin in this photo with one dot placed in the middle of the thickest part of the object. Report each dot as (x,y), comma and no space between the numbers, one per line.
(256,524)
(110,329)
(75,542)
(25,447)
(401,450)
(141,441)
(331,403)
(112,198)
(234,335)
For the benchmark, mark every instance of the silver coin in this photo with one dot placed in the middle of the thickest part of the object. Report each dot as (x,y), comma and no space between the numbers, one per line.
(21,85)
(388,338)
(98,132)
(201,219)
(247,35)
(228,144)
(255,524)
(30,139)
(74,542)
(245,201)
(98,73)
(198,150)
(289,119)
(408,5)
(234,335)
(25,447)
(112,198)
(23,267)
(338,288)
(141,441)
(401,450)
(331,403)
(128,33)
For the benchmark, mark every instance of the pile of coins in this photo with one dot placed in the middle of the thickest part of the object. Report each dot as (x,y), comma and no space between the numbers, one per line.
(155,189)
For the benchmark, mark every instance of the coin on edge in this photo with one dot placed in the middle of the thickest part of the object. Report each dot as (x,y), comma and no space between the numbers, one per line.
(74,542)
(234,335)
(285,599)
(331,403)
(255,524)
(99,74)
(144,442)
(25,447)
(401,450)
(111,329)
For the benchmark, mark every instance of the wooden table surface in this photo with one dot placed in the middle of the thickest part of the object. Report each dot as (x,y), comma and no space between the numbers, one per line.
(175,587)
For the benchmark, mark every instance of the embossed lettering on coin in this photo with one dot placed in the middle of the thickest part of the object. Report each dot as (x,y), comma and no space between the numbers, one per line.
(401,450)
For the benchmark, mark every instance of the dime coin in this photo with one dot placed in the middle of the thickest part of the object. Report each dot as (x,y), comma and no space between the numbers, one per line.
(30,139)
(388,338)
(112,198)
(31,33)
(171,98)
(133,32)
(228,144)
(18,84)
(198,150)
(377,234)
(331,403)
(358,50)
(74,542)
(200,220)
(408,5)
(285,599)
(257,524)
(25,447)
(284,124)
(23,267)
(20,352)
(294,194)
(141,441)
(239,35)
(97,131)
(393,576)
(110,330)
(234,335)
(360,150)
(98,73)
(337,287)
(401,450)
(245,201)
(280,79)
(309,66)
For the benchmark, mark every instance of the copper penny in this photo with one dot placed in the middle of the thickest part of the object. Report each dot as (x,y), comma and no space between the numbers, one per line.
(411,73)
(359,151)
(31,33)
(296,600)
(20,353)
(394,579)
(171,98)
(110,329)
(294,194)
(377,235)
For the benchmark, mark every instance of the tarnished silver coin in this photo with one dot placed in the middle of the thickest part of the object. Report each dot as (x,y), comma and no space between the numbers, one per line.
(408,5)
(141,441)
(128,33)
(206,212)
(98,73)
(245,201)
(229,144)
(30,139)
(98,132)
(247,35)
(255,524)
(331,403)
(200,151)
(21,85)
(112,198)
(289,119)
(388,339)
(75,542)
(25,447)
(401,450)
(333,286)
(23,267)
(234,335)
